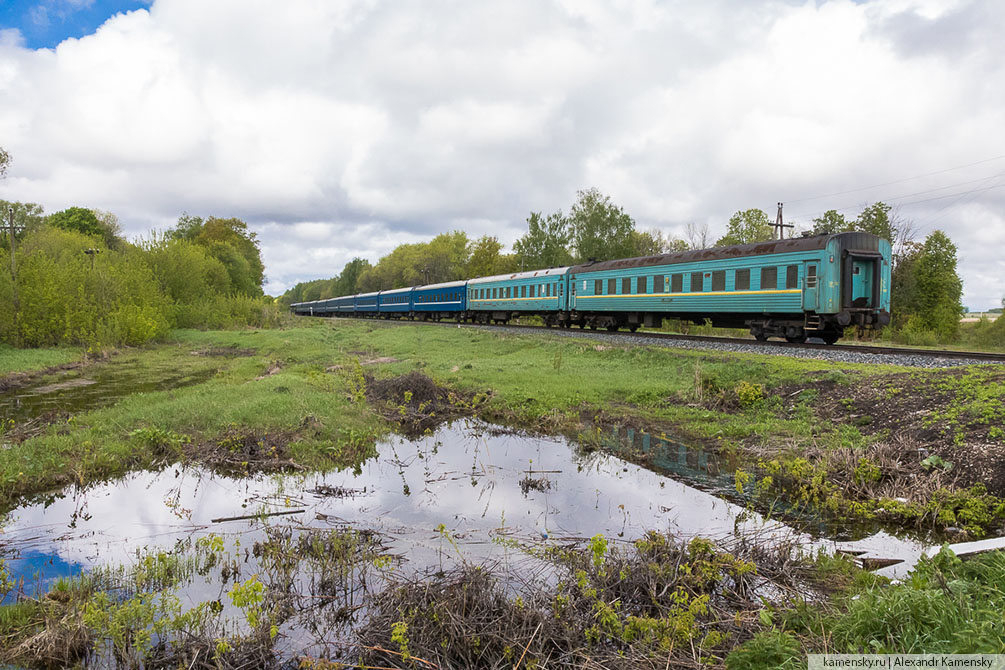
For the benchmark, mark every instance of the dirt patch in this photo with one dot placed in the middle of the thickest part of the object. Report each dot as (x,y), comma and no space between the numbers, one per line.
(62,386)
(956,415)
(17,380)
(416,403)
(232,351)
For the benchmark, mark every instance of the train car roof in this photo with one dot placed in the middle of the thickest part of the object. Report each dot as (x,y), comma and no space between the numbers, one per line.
(796,244)
(366,295)
(449,284)
(397,290)
(530,274)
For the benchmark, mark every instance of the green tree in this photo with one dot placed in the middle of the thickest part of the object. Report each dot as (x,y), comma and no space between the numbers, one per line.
(939,287)
(831,222)
(77,219)
(545,244)
(485,258)
(5,161)
(600,229)
(348,279)
(111,231)
(188,227)
(27,214)
(875,219)
(235,233)
(653,242)
(747,227)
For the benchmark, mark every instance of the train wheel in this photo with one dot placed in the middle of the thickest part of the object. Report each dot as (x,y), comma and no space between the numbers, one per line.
(612,328)
(830,338)
(760,337)
(633,327)
(796,339)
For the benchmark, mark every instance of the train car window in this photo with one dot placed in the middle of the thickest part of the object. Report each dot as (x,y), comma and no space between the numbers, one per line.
(626,285)
(523,291)
(598,287)
(697,282)
(719,280)
(811,276)
(743,280)
(769,278)
(792,276)
(677,283)
(612,286)
(641,285)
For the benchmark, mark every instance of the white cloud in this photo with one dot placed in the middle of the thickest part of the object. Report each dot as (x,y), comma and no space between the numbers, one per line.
(383,122)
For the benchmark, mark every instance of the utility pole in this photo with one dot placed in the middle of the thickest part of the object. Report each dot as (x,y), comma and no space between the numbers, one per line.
(780,225)
(12,231)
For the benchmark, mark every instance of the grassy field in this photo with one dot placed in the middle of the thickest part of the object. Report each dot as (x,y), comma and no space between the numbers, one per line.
(838,440)
(32,360)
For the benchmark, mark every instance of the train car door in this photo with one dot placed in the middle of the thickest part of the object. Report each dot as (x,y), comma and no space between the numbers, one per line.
(862,278)
(571,300)
(811,280)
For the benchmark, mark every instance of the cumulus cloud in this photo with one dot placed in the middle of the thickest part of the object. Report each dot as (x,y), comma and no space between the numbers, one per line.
(343,129)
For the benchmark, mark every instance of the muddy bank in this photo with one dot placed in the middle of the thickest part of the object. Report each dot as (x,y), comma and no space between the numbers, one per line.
(17,380)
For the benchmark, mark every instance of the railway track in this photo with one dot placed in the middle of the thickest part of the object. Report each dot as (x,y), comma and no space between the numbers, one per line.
(949,354)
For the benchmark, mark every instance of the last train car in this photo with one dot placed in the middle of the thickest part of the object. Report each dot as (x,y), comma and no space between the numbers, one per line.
(796,288)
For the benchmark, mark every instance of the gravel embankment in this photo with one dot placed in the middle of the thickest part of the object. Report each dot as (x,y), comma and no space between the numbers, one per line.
(837,354)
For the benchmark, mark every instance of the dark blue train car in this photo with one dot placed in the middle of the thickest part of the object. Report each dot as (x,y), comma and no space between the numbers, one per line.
(366,303)
(440,301)
(344,305)
(396,303)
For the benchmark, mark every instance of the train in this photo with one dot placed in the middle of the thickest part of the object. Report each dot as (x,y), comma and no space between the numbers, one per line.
(811,286)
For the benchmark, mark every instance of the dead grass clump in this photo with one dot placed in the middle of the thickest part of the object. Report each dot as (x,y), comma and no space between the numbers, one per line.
(35,426)
(242,451)
(655,602)
(416,402)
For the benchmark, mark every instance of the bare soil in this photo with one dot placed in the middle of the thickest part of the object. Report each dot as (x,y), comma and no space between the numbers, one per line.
(905,411)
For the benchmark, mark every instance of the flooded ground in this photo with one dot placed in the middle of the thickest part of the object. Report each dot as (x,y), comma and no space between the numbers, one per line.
(449,497)
(86,388)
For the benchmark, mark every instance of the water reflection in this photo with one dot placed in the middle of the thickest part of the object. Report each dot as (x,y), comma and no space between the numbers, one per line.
(468,477)
(92,387)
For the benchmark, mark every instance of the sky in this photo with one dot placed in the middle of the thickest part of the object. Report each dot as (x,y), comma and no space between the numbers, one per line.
(344,128)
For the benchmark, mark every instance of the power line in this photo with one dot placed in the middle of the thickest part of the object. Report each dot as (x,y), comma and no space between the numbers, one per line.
(896,200)
(897,181)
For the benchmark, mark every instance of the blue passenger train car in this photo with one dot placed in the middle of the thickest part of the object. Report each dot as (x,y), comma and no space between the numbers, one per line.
(366,303)
(396,303)
(439,301)
(502,297)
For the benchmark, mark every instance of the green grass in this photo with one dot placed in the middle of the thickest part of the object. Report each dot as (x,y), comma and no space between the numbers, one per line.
(296,384)
(30,360)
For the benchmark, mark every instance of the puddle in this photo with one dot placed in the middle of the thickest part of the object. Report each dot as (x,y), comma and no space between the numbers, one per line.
(94,386)
(466,495)
(482,486)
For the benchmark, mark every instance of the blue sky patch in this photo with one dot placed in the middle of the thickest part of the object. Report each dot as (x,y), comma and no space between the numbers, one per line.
(46,23)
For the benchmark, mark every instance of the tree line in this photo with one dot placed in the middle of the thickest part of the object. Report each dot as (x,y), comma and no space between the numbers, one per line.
(75,280)
(926,287)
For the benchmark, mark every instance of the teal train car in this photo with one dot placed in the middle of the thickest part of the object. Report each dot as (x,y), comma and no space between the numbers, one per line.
(797,288)
(503,297)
